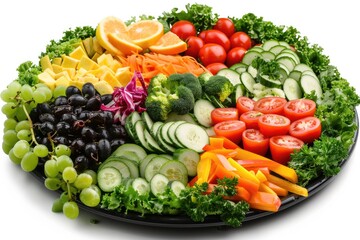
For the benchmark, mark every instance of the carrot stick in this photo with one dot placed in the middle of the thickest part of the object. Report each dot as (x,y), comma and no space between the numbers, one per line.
(265,201)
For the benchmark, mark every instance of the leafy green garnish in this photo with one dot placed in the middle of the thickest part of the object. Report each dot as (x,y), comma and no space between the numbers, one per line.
(270,68)
(134,19)
(28,73)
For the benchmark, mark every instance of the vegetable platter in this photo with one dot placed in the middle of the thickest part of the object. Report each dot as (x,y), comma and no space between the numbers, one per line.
(106,137)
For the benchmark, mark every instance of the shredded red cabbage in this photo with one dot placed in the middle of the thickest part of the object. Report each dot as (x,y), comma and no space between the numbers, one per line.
(127,99)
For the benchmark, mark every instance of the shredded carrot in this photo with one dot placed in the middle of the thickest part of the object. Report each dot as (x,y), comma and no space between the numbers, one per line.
(151,64)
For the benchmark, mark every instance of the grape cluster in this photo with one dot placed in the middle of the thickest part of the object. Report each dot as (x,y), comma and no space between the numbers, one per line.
(75,120)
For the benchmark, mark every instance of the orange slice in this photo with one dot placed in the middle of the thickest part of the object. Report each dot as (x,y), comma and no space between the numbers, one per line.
(123,43)
(146,32)
(110,25)
(169,44)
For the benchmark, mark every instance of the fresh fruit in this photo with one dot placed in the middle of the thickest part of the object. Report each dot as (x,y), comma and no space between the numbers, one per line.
(231,129)
(299,108)
(183,29)
(170,44)
(306,129)
(124,43)
(273,125)
(226,26)
(193,46)
(145,33)
(216,36)
(224,114)
(240,39)
(282,146)
(212,53)
(274,105)
(254,141)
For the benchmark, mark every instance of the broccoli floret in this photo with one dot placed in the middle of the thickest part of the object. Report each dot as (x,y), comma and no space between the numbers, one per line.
(158,106)
(218,86)
(204,77)
(188,80)
(182,101)
(158,83)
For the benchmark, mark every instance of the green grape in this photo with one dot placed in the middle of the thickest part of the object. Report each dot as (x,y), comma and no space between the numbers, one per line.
(7,96)
(10,137)
(9,109)
(29,162)
(89,197)
(47,92)
(50,168)
(64,197)
(39,96)
(59,91)
(71,210)
(14,87)
(6,147)
(62,149)
(24,134)
(9,124)
(84,180)
(69,174)
(52,184)
(41,150)
(96,188)
(93,175)
(21,148)
(26,92)
(24,124)
(40,85)
(20,114)
(63,162)
(57,206)
(13,158)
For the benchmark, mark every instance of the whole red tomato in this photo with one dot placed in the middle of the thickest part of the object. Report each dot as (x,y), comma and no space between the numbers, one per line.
(194,44)
(215,36)
(212,53)
(235,55)
(183,29)
(240,39)
(226,26)
(215,67)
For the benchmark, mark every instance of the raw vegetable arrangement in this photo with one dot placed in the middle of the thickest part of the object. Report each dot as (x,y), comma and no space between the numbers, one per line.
(187,114)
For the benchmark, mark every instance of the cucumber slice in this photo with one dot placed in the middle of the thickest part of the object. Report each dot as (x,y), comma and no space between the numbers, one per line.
(176,187)
(133,167)
(277,49)
(108,178)
(144,163)
(173,117)
(267,45)
(302,67)
(267,55)
(140,136)
(285,44)
(230,74)
(164,133)
(202,112)
(241,69)
(257,49)
(250,56)
(155,129)
(174,170)
(120,166)
(248,81)
(271,83)
(288,62)
(158,184)
(253,71)
(238,65)
(310,83)
(167,156)
(147,120)
(192,136)
(171,134)
(292,89)
(239,91)
(295,74)
(152,142)
(141,186)
(289,54)
(189,158)
(128,155)
(154,166)
(131,147)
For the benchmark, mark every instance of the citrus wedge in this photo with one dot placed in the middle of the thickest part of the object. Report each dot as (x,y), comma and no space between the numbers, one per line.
(169,44)
(124,43)
(110,25)
(146,32)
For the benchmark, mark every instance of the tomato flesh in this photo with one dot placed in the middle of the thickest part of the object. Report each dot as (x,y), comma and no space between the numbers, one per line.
(299,108)
(273,124)
(281,147)
(244,104)
(254,141)
(306,129)
(251,119)
(231,129)
(274,105)
(224,114)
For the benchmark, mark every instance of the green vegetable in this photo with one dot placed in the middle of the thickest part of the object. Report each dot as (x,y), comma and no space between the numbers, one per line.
(28,73)
(135,19)
(200,15)
(218,86)
(188,80)
(182,101)
(269,68)
(204,77)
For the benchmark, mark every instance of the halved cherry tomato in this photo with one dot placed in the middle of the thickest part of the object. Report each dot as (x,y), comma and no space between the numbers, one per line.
(212,53)
(215,67)
(244,104)
(224,114)
(231,129)
(282,146)
(274,105)
(183,29)
(215,36)
(240,39)
(273,124)
(306,129)
(226,26)
(299,108)
(254,141)
(194,44)
(251,119)
(235,55)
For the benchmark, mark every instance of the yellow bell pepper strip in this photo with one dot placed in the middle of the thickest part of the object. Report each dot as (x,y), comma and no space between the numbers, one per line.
(291,187)
(265,188)
(265,201)
(242,172)
(261,176)
(281,192)
(203,170)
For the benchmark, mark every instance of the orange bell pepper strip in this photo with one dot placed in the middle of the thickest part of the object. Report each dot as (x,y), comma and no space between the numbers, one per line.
(261,176)
(241,193)
(265,188)
(265,201)
(227,143)
(281,192)
(291,187)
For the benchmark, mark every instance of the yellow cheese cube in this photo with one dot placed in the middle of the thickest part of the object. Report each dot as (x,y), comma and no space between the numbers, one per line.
(111,79)
(70,71)
(61,74)
(123,75)
(57,61)
(97,47)
(88,46)
(105,59)
(69,62)
(90,79)
(95,57)
(45,62)
(77,84)
(100,71)
(62,81)
(46,78)
(78,53)
(103,87)
(87,63)
(57,68)
(50,72)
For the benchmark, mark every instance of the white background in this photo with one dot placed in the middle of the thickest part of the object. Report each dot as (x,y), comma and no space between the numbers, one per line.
(25,205)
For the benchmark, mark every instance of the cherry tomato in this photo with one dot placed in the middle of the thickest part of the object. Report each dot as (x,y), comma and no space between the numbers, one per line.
(224,114)
(235,55)
(183,29)
(226,26)
(212,53)
(231,129)
(240,39)
(251,119)
(193,46)
(215,67)
(282,146)
(299,108)
(215,36)
(273,105)
(273,125)
(306,129)
(254,141)
(244,104)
